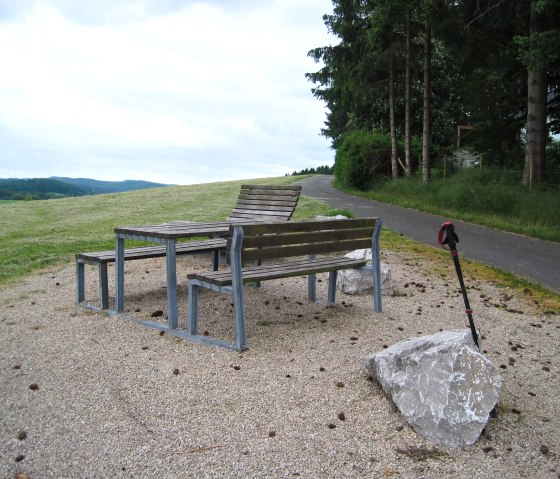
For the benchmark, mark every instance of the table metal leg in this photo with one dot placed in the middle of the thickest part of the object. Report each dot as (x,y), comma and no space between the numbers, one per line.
(119,275)
(172,312)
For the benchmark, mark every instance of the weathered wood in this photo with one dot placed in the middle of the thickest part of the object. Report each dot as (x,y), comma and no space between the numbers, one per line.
(253,229)
(278,271)
(266,202)
(146,252)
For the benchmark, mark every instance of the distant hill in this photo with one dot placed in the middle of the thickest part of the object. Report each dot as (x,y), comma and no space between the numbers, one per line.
(59,187)
(94,187)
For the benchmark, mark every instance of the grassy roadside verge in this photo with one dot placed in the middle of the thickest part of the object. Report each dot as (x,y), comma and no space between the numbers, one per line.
(541,300)
(489,198)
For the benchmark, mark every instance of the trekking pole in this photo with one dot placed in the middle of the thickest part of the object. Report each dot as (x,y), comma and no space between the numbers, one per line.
(451,239)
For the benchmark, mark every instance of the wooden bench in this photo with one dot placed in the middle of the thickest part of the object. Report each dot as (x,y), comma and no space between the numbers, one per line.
(255,203)
(266,202)
(258,243)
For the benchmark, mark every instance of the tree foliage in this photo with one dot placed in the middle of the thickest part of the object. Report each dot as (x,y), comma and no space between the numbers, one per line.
(481,54)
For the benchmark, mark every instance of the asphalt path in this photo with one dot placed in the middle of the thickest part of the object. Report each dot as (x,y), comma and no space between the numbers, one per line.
(533,259)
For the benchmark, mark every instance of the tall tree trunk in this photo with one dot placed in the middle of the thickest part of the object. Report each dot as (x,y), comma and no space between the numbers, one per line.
(394,153)
(535,149)
(407,96)
(426,130)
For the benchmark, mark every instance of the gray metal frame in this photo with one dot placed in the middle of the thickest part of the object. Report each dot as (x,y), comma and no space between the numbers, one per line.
(81,284)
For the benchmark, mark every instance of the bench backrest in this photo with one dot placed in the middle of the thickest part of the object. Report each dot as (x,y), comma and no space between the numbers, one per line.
(264,241)
(266,202)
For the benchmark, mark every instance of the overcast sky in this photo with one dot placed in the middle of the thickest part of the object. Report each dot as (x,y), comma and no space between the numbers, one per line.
(172,91)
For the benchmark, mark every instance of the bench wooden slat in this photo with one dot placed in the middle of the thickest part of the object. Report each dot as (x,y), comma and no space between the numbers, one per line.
(282,270)
(260,216)
(267,240)
(304,249)
(145,252)
(259,207)
(294,190)
(266,199)
(254,229)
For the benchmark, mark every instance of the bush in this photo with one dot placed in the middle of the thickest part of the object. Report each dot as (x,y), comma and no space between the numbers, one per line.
(362,157)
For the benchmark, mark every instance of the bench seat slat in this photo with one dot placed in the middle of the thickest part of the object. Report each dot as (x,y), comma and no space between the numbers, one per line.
(280,270)
(145,252)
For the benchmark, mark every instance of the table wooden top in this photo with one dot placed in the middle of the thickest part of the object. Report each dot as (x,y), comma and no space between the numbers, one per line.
(176,229)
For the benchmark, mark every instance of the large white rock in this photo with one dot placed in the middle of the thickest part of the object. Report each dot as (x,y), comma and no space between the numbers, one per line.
(353,281)
(442,385)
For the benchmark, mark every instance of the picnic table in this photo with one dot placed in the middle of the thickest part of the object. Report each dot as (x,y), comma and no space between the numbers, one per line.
(255,203)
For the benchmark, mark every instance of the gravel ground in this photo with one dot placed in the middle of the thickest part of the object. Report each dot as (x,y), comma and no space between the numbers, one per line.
(86,395)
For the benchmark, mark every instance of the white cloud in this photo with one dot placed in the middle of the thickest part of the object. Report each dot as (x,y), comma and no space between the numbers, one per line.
(154,88)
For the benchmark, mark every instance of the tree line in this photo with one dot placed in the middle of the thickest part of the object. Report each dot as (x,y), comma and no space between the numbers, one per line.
(320,170)
(36,189)
(410,79)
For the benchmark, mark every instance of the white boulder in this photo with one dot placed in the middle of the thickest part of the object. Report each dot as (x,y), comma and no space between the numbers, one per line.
(354,281)
(442,385)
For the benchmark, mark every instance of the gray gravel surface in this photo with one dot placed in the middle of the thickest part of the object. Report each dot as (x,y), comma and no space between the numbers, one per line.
(86,395)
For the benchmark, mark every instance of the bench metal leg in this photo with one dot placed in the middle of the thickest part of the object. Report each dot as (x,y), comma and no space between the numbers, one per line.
(80,282)
(171,284)
(215,259)
(103,286)
(312,284)
(81,286)
(192,307)
(332,287)
(237,290)
(119,275)
(239,315)
(312,287)
(376,263)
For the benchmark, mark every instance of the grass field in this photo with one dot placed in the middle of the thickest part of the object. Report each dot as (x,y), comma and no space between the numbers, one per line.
(38,234)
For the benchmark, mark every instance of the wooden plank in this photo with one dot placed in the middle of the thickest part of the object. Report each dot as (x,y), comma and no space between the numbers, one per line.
(295,226)
(265,196)
(145,252)
(261,241)
(305,249)
(285,189)
(261,207)
(277,271)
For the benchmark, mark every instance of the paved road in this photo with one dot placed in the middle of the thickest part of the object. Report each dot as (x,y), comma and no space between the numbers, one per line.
(536,260)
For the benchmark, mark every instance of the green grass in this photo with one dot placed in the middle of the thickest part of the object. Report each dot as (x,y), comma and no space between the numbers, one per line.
(37,234)
(486,197)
